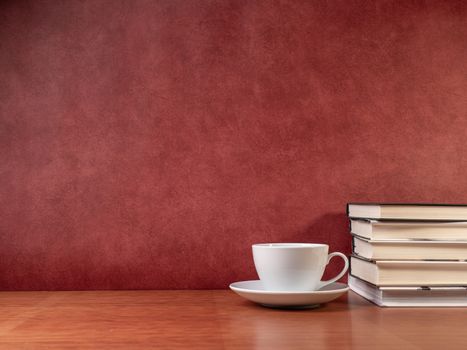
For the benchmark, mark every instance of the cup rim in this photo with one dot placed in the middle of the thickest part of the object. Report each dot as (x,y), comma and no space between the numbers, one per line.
(289,245)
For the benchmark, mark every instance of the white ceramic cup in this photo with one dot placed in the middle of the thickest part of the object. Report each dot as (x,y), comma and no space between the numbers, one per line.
(294,266)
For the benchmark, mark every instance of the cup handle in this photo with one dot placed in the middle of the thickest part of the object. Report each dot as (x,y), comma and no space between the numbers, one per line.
(342,273)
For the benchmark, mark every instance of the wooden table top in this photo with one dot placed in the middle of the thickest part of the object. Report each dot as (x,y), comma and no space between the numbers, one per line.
(216,320)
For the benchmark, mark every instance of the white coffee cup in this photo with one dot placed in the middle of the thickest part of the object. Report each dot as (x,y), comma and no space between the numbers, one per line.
(294,266)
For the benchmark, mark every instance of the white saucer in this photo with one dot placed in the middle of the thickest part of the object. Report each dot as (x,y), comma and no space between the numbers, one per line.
(254,291)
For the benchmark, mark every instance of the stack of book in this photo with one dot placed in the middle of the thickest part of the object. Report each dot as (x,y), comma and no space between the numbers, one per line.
(409,254)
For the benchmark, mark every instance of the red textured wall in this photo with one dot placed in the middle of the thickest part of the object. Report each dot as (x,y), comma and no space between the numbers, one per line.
(148,144)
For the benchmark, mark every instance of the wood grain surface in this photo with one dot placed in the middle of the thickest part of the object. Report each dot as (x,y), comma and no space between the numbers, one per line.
(215,320)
